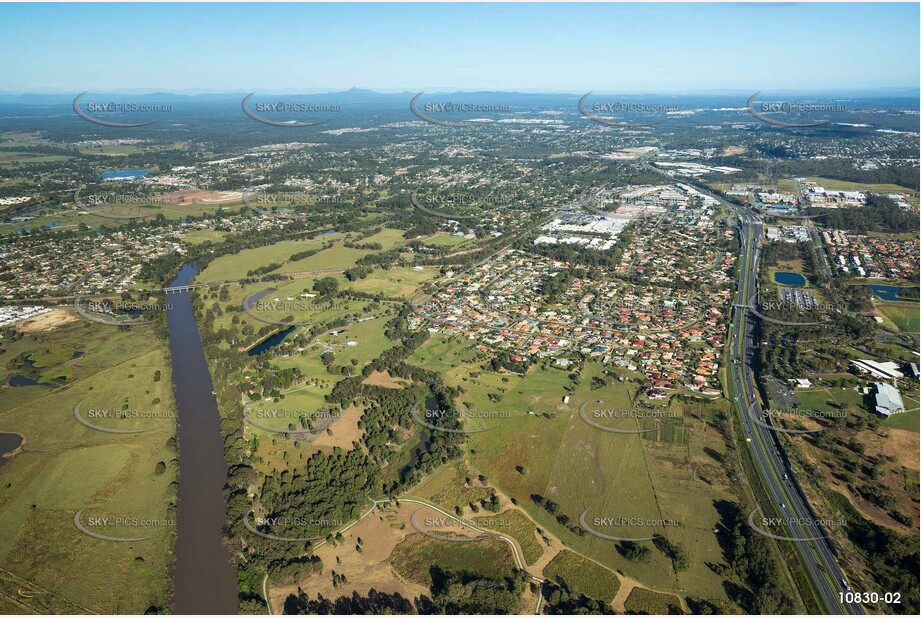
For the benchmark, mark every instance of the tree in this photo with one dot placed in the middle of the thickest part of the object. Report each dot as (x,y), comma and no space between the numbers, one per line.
(326,286)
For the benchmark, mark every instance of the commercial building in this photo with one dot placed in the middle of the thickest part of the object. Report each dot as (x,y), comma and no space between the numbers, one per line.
(887,399)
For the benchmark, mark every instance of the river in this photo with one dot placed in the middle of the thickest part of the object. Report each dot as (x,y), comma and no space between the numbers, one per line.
(204,578)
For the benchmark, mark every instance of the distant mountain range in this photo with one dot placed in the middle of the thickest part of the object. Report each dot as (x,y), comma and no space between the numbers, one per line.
(362,96)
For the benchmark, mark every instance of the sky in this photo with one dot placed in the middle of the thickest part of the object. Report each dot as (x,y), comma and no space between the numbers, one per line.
(630,48)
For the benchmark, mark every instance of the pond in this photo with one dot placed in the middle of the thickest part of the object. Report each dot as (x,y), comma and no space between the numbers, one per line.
(791,279)
(423,445)
(21,380)
(9,442)
(117,174)
(888,292)
(269,342)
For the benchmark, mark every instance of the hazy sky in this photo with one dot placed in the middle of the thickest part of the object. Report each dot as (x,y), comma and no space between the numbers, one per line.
(572,47)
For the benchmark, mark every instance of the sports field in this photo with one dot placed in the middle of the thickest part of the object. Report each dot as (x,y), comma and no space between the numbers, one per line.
(237,266)
(903,314)
(393,283)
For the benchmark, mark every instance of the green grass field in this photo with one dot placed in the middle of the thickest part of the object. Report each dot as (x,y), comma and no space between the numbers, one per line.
(903,314)
(336,257)
(443,239)
(583,576)
(908,420)
(447,488)
(392,283)
(199,236)
(237,266)
(828,399)
(515,524)
(66,218)
(442,354)
(668,475)
(65,466)
(643,601)
(414,557)
(8,159)
(844,185)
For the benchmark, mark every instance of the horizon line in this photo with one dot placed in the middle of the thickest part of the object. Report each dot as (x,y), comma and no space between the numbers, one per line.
(446,90)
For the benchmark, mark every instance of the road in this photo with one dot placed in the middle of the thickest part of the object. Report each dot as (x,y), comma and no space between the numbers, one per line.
(375,503)
(778,481)
(815,549)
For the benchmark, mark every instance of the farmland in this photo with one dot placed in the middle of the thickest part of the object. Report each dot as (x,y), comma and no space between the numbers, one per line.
(73,467)
(540,446)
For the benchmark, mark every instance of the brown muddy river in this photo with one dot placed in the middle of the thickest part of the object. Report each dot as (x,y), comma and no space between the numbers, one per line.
(205,579)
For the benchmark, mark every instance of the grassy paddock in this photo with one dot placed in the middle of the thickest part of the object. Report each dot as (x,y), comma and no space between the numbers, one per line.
(583,576)
(65,466)
(417,554)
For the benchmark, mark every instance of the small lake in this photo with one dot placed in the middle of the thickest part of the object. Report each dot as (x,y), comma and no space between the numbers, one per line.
(20,380)
(790,279)
(9,442)
(888,292)
(269,342)
(123,174)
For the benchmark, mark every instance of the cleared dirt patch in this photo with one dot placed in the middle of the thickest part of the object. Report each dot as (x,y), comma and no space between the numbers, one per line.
(200,196)
(345,430)
(380,532)
(48,321)
(381,378)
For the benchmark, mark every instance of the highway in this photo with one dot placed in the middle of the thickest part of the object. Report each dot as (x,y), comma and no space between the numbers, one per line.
(815,549)
(817,556)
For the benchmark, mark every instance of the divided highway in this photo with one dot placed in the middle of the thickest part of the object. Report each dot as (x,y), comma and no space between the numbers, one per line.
(815,549)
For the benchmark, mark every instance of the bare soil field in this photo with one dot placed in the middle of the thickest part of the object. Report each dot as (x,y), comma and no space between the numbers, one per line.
(201,196)
(345,429)
(380,378)
(48,321)
(901,444)
(380,532)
